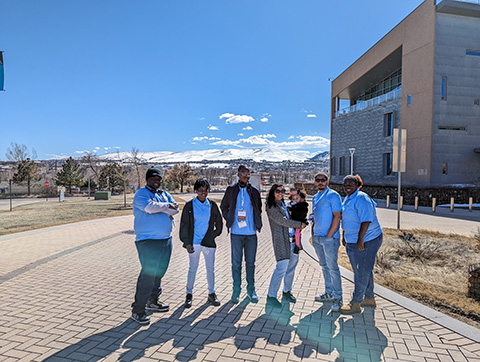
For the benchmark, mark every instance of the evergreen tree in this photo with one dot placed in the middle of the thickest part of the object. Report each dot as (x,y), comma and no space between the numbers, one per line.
(27,171)
(112,177)
(70,175)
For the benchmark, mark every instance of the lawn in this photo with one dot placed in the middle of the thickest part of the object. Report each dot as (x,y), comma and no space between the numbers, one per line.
(50,213)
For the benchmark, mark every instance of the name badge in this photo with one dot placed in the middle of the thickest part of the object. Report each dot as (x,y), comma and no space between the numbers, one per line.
(242,218)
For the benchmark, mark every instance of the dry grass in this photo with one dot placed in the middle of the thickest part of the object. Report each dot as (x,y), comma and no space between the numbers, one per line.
(50,213)
(429,267)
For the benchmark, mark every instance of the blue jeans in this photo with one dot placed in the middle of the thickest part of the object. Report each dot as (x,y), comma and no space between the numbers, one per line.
(241,244)
(362,264)
(285,270)
(327,252)
(154,257)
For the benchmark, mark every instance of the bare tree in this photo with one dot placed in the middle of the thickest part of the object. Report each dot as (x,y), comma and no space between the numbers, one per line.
(181,173)
(17,153)
(90,162)
(136,158)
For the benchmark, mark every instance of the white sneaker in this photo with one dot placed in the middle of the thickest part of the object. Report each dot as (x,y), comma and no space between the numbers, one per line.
(336,305)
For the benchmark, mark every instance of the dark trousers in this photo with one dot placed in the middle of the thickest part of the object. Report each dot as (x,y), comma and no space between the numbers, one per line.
(154,257)
(240,245)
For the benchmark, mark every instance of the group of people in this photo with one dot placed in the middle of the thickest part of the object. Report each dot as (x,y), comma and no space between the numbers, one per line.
(241,207)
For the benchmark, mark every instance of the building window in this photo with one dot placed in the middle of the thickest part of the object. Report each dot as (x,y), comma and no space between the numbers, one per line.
(387,164)
(452,127)
(388,124)
(444,88)
(342,166)
(333,170)
(473,52)
(409,100)
(444,168)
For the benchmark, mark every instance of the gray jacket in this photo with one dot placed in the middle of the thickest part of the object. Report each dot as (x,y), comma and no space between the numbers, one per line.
(279,224)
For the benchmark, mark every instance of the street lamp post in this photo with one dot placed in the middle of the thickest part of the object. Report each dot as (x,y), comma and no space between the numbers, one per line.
(352,152)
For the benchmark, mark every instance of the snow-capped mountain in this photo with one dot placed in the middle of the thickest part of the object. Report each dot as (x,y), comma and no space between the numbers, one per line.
(254,154)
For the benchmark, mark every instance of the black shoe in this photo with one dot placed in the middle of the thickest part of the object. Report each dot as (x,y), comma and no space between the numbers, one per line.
(157,306)
(141,318)
(288,296)
(273,302)
(213,300)
(253,297)
(296,249)
(188,300)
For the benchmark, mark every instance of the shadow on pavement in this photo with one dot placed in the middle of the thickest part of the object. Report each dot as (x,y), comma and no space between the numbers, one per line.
(319,332)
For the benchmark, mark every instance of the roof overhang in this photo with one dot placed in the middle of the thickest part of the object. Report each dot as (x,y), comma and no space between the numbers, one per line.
(459,8)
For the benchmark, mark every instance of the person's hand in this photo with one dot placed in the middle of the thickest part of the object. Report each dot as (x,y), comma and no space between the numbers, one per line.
(360,245)
(190,249)
(173,206)
(303,226)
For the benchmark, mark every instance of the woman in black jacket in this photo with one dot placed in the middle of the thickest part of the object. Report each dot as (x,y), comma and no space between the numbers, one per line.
(200,224)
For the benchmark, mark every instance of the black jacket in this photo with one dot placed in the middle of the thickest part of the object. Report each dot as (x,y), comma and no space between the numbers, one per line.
(187,222)
(229,202)
(299,212)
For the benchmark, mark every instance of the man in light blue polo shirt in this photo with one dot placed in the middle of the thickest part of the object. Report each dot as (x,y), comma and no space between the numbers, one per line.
(327,211)
(153,209)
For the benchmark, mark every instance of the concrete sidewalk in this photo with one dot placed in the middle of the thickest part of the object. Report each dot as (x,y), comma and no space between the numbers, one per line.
(65,295)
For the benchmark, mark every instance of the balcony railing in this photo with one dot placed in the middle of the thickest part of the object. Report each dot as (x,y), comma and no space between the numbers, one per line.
(387,97)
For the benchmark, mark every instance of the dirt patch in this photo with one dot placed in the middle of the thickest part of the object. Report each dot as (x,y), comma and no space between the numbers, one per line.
(429,267)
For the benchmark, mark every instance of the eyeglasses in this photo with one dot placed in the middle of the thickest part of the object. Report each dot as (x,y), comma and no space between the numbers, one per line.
(321,179)
(278,191)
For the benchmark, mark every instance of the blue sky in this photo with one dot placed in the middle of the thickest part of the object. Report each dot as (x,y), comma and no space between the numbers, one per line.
(173,75)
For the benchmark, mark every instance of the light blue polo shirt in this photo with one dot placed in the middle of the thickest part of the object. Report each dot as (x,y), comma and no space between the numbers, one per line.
(201,218)
(151,226)
(358,208)
(324,204)
(244,203)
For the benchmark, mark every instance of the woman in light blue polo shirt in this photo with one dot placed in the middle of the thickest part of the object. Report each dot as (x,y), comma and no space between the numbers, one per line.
(362,237)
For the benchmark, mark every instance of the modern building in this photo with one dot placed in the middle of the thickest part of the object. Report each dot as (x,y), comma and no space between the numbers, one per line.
(424,77)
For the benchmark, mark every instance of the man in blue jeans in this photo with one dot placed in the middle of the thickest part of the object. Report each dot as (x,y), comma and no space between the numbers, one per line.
(327,211)
(153,210)
(241,208)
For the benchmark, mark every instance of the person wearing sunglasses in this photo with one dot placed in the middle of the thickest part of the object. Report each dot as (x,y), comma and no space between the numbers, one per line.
(283,238)
(327,213)
(200,224)
(362,237)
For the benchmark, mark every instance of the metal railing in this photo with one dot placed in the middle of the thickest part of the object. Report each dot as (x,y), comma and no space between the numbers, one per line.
(387,97)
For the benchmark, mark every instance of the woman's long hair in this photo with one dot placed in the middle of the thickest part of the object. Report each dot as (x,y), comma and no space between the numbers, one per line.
(271,202)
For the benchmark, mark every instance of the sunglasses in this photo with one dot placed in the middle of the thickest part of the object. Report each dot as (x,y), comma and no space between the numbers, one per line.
(278,191)
(320,179)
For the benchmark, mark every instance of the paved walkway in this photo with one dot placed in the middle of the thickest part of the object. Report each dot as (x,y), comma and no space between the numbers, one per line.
(65,295)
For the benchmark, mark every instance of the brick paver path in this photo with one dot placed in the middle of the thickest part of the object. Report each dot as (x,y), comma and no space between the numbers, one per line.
(65,295)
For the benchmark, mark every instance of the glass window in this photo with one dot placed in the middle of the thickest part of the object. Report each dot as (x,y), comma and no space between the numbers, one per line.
(444,88)
(388,124)
(409,100)
(387,164)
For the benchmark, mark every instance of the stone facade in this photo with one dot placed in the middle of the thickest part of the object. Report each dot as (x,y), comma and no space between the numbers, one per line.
(364,130)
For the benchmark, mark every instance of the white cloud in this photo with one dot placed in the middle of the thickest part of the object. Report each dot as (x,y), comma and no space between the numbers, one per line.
(291,137)
(248,128)
(240,134)
(205,138)
(299,142)
(97,148)
(212,128)
(311,115)
(264,119)
(233,118)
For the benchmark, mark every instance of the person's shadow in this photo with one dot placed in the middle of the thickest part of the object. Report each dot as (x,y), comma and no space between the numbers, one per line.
(349,337)
(130,342)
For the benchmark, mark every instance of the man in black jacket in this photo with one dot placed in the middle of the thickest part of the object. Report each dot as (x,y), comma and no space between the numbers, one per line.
(241,208)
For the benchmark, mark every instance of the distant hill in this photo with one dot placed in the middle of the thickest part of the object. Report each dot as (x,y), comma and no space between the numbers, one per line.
(218,155)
